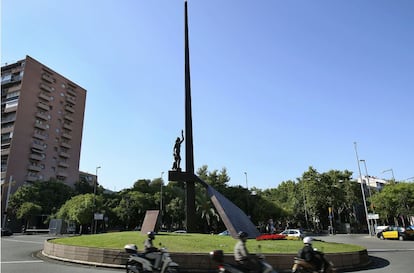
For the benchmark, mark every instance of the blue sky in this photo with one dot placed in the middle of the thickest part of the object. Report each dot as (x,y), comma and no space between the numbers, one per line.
(277,86)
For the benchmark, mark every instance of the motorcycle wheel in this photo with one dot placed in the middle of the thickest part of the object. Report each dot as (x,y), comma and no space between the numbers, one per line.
(133,267)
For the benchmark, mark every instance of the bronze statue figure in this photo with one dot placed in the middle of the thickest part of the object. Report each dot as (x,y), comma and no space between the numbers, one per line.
(176,153)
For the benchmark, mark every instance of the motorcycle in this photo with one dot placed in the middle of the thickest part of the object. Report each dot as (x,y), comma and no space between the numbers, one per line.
(302,266)
(157,262)
(218,256)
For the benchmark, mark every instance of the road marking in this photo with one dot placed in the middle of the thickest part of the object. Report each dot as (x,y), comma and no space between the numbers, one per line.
(21,262)
(390,250)
(22,241)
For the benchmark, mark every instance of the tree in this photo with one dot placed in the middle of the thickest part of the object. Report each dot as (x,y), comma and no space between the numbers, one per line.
(80,209)
(27,211)
(394,202)
(206,211)
(82,187)
(216,179)
(133,206)
(48,195)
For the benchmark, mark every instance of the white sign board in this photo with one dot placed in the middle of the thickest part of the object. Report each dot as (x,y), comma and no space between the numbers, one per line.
(372,216)
(98,216)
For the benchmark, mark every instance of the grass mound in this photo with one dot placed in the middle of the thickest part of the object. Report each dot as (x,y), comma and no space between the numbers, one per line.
(198,243)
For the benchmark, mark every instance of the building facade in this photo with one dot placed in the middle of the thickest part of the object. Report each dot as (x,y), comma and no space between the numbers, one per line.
(373,182)
(42,115)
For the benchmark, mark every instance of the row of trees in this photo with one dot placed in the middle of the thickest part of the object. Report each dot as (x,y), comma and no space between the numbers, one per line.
(315,201)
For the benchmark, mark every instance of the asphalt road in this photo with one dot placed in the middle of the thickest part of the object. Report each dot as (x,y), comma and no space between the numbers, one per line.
(19,254)
(390,256)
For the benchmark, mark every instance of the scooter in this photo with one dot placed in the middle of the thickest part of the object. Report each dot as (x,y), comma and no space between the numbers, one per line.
(218,256)
(302,266)
(157,262)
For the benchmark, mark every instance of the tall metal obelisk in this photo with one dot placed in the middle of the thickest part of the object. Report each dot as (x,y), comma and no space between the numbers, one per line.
(189,152)
(232,216)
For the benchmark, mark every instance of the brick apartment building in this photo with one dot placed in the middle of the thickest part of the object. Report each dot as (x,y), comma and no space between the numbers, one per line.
(42,116)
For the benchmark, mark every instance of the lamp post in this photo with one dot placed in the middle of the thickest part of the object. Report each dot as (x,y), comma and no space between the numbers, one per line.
(369,192)
(392,172)
(247,194)
(362,190)
(304,205)
(162,173)
(366,174)
(93,229)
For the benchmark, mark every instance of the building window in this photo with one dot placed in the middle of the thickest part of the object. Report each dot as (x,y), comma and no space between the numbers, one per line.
(6,78)
(14,94)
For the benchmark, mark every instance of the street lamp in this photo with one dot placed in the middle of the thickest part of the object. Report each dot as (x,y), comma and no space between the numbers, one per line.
(366,174)
(162,173)
(247,194)
(93,229)
(392,172)
(362,190)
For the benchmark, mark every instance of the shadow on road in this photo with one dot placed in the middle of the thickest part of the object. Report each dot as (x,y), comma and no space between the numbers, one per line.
(375,263)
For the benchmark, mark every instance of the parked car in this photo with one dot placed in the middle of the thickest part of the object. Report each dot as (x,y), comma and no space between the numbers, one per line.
(180,231)
(399,233)
(293,233)
(225,233)
(380,228)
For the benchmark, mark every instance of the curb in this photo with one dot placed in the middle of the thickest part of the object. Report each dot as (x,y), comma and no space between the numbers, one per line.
(194,262)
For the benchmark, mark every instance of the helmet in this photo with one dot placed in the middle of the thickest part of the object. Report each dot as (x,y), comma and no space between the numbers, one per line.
(242,235)
(151,234)
(307,240)
(131,248)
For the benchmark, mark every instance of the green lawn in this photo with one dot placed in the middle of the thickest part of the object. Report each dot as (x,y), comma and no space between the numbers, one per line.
(197,243)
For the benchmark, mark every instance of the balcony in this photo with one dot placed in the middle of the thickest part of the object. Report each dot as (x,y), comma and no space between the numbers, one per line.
(46,88)
(70,100)
(39,135)
(67,126)
(14,88)
(66,135)
(37,156)
(47,78)
(16,70)
(5,151)
(10,109)
(63,164)
(44,96)
(62,174)
(43,106)
(8,119)
(38,146)
(70,91)
(41,126)
(6,130)
(64,155)
(68,117)
(70,109)
(32,178)
(65,144)
(35,168)
(42,115)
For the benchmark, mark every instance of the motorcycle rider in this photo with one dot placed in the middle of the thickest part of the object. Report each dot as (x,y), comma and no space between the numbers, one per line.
(151,252)
(311,256)
(241,255)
